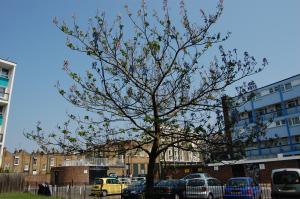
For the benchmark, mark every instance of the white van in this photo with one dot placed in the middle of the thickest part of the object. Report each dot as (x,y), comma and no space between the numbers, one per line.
(286,183)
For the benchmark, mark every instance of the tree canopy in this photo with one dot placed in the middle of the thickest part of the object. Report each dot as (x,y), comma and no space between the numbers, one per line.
(150,86)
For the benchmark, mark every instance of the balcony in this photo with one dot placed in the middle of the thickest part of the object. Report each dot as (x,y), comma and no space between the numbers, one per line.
(4,97)
(3,81)
(270,116)
(95,162)
(273,151)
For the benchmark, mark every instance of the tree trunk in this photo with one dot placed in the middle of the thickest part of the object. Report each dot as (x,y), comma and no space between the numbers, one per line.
(151,171)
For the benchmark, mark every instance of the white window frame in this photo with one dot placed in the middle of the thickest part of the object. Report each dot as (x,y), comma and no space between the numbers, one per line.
(52,162)
(44,167)
(26,167)
(18,160)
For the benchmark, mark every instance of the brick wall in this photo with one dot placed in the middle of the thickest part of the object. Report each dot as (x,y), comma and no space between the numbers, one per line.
(34,180)
(223,173)
(76,175)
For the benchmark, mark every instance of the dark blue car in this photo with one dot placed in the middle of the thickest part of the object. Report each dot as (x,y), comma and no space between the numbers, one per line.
(242,188)
(135,191)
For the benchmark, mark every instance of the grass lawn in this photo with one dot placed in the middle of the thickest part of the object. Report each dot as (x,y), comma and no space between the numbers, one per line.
(22,196)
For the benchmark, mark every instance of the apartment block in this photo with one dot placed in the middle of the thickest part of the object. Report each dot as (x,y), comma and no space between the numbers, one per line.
(7,73)
(278,107)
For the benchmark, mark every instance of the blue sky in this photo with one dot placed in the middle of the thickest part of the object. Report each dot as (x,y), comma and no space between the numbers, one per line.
(268,28)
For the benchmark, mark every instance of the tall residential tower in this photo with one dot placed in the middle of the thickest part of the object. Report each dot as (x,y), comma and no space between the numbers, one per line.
(277,105)
(7,73)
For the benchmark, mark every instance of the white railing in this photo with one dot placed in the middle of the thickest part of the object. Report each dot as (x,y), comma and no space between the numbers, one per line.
(95,162)
(4,96)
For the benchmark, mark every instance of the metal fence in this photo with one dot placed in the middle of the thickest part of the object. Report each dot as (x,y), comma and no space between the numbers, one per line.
(263,191)
(64,192)
(15,183)
(185,192)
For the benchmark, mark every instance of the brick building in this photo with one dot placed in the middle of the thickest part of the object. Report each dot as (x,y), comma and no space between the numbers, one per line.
(34,163)
(79,169)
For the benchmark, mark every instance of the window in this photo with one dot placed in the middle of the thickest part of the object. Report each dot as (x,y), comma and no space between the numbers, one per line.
(4,72)
(112,181)
(34,161)
(271,90)
(52,162)
(44,167)
(196,182)
(213,182)
(294,121)
(279,88)
(142,166)
(278,123)
(16,160)
(26,167)
(282,122)
(261,112)
(2,91)
(286,177)
(210,182)
(291,104)
(181,155)
(288,86)
(170,154)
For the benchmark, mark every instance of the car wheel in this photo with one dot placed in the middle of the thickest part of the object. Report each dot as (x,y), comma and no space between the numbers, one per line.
(210,196)
(104,193)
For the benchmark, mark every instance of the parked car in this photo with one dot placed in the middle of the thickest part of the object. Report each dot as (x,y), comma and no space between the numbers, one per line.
(134,191)
(195,175)
(107,186)
(242,188)
(285,183)
(112,175)
(169,189)
(125,180)
(135,179)
(203,188)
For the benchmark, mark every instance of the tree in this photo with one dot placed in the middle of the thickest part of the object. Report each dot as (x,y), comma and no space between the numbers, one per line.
(148,85)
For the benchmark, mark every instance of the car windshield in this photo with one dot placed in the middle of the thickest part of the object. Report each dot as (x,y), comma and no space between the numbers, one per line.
(196,182)
(196,175)
(237,183)
(166,183)
(286,177)
(138,183)
(98,181)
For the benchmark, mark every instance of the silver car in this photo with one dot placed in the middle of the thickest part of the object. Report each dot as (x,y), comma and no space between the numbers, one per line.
(286,183)
(195,175)
(203,188)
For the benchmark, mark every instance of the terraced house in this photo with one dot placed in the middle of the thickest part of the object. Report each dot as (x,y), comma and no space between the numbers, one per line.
(277,104)
(7,73)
